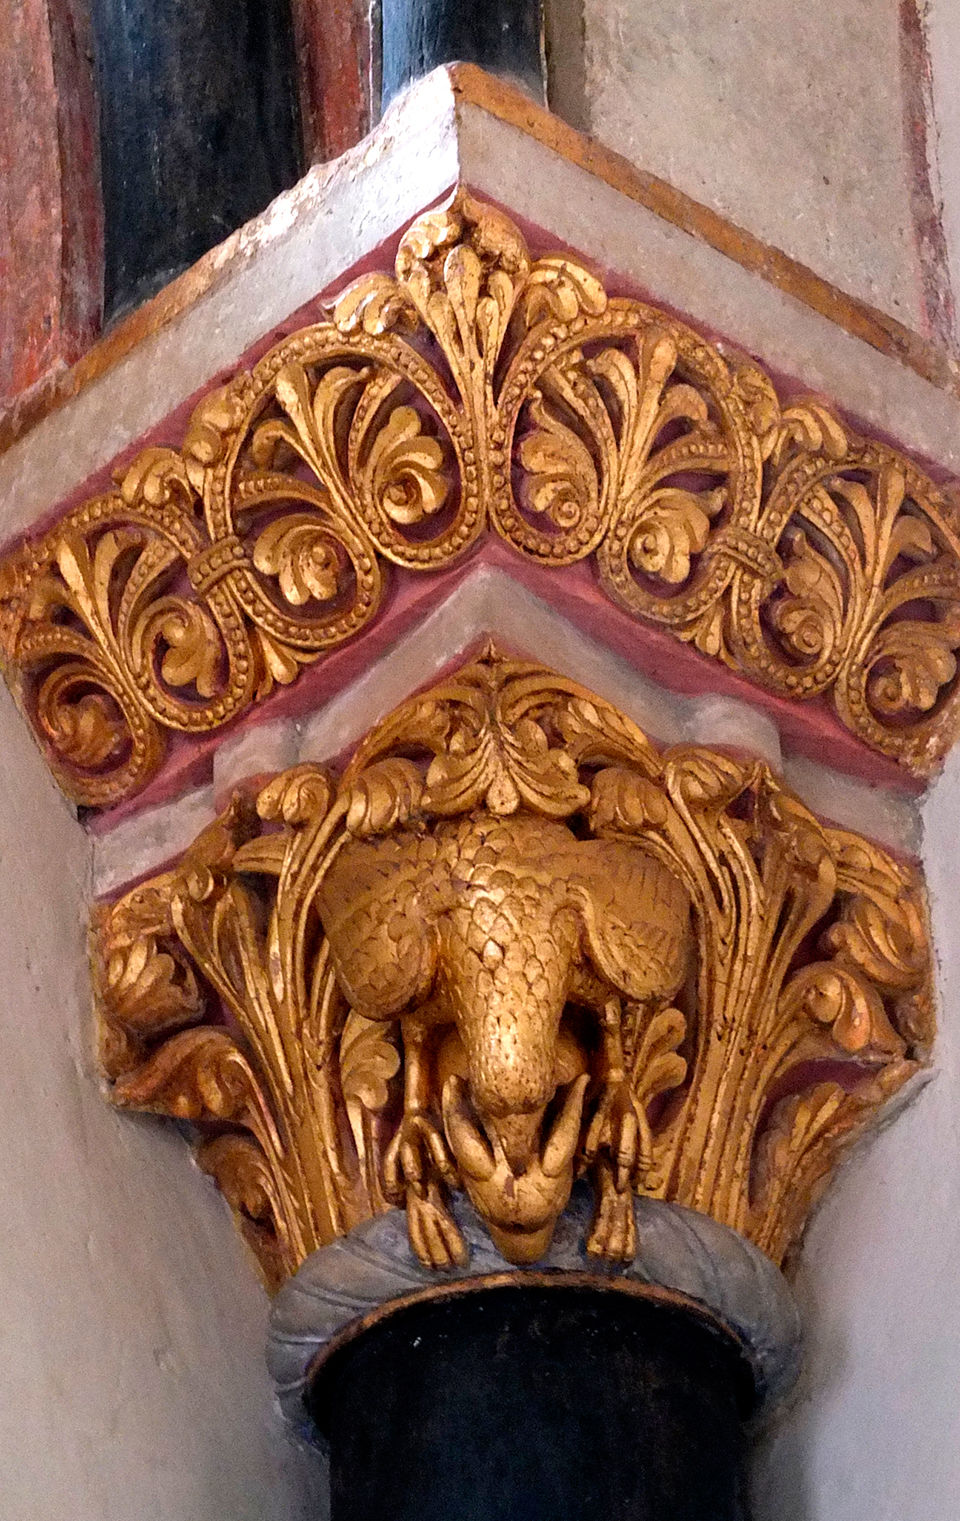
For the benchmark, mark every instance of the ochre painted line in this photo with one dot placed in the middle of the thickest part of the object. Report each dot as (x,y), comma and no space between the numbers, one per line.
(473,87)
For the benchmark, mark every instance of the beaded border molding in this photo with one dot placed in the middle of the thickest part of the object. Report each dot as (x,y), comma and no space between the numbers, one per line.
(477,391)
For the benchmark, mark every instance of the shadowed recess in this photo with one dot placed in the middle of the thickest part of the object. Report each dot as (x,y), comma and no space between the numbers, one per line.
(199,129)
(504,36)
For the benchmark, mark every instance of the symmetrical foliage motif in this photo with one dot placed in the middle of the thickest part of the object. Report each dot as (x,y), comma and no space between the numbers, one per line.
(481,390)
(514,943)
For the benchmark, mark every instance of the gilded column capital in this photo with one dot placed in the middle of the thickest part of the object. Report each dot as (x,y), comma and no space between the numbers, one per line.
(480,391)
(512,944)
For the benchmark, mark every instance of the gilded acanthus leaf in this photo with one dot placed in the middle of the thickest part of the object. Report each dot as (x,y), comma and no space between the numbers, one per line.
(368,1060)
(479,390)
(296,796)
(512,943)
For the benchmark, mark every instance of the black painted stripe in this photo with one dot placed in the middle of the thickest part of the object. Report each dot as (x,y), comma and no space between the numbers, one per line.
(199,129)
(504,36)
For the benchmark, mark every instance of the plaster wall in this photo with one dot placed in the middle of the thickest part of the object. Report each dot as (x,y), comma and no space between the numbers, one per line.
(132,1326)
(788,119)
(874,1427)
(134,1382)
(943,33)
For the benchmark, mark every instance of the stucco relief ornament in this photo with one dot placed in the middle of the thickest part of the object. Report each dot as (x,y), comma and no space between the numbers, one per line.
(480,390)
(513,944)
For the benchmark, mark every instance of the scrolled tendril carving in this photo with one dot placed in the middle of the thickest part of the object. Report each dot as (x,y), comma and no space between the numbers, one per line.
(510,944)
(478,389)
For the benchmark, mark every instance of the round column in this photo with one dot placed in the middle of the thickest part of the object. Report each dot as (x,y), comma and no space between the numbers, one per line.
(540,1400)
(567,1390)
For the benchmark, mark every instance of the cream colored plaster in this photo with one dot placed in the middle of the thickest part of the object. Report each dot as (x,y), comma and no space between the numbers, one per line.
(149,839)
(873,1433)
(488,603)
(868,807)
(942,18)
(786,118)
(720,720)
(255,750)
(132,1327)
(339,212)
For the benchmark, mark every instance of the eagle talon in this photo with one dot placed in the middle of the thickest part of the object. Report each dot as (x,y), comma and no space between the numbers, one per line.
(415,1157)
(613,1235)
(616,1133)
(433,1232)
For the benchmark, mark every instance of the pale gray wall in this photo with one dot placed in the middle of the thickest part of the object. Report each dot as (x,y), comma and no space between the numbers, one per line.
(131,1322)
(791,120)
(873,1433)
(786,117)
(943,34)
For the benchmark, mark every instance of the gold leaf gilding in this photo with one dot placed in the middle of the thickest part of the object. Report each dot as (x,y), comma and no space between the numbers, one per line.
(541,949)
(479,390)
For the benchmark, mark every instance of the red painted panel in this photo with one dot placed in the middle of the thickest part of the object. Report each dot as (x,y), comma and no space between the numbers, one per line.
(50,224)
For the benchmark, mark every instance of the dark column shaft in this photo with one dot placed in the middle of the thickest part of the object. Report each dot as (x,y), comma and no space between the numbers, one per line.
(503,36)
(199,129)
(535,1404)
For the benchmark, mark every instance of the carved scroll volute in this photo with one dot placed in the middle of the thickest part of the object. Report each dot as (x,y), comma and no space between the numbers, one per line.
(513,944)
(475,390)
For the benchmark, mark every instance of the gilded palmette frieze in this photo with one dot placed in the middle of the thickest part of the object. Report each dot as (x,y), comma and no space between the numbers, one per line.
(512,944)
(477,391)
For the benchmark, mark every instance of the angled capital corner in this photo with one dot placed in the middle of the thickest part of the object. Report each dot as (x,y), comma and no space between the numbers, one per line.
(510,945)
(481,391)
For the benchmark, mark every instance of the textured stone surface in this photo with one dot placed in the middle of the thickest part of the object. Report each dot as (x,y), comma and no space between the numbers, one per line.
(260,750)
(49,194)
(149,840)
(942,19)
(877,811)
(717,720)
(873,1429)
(132,1324)
(679,1249)
(760,109)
